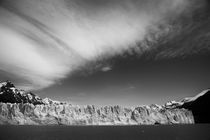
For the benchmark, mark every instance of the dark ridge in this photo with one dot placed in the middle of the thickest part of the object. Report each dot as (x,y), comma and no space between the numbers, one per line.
(10,94)
(200,108)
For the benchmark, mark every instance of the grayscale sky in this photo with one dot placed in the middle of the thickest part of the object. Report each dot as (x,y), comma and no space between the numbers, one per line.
(127,52)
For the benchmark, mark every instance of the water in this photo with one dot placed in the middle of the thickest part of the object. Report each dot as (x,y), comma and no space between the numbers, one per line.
(161,132)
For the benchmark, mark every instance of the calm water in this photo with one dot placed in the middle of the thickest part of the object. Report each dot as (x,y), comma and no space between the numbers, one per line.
(166,132)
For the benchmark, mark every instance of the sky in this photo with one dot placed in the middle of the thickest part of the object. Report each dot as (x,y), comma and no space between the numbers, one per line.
(105,52)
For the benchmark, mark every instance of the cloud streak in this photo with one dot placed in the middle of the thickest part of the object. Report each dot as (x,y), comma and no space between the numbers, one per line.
(44,41)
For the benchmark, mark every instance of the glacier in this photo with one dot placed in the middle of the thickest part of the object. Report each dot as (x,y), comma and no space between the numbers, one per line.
(29,109)
(67,114)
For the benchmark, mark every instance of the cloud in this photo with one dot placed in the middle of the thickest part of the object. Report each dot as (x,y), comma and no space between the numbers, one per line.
(44,41)
(105,69)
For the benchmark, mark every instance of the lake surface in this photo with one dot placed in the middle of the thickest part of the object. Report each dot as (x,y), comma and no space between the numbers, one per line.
(158,132)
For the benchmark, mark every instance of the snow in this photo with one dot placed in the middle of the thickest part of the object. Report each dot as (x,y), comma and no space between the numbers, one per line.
(49,101)
(191,99)
(30,97)
(3,84)
(173,103)
(13,89)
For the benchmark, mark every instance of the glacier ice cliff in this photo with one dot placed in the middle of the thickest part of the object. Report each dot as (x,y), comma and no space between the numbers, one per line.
(67,114)
(29,109)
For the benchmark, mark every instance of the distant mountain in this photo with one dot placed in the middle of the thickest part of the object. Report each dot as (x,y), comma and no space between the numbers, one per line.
(198,105)
(25,108)
(10,94)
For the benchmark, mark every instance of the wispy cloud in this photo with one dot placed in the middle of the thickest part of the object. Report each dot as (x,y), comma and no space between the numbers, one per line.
(45,41)
(105,69)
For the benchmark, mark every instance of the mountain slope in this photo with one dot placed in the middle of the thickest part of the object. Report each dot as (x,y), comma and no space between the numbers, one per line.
(199,105)
(10,94)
